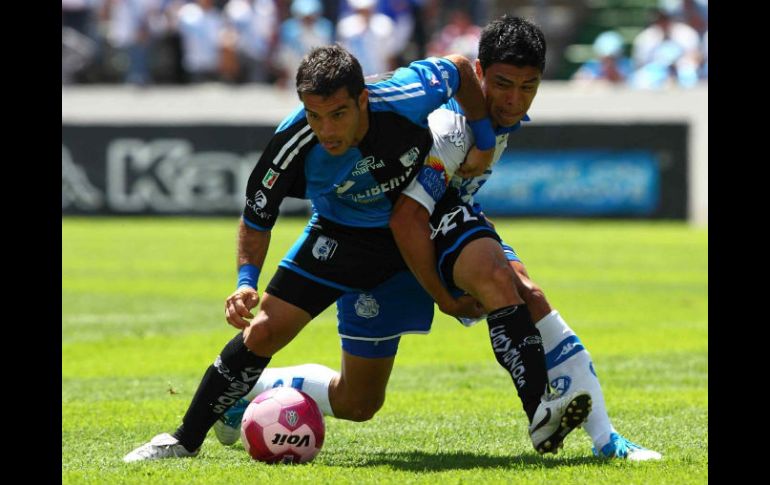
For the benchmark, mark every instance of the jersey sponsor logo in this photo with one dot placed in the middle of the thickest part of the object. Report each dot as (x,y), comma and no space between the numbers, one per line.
(341,189)
(457,139)
(324,248)
(561,384)
(375,193)
(269,179)
(366,306)
(259,203)
(408,158)
(367,164)
(433,178)
(260,200)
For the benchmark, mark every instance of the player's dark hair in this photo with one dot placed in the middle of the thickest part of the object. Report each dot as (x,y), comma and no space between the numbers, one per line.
(512,40)
(326,69)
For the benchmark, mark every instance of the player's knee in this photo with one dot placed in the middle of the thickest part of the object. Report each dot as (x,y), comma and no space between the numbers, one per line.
(502,277)
(533,295)
(365,410)
(357,408)
(259,339)
(535,299)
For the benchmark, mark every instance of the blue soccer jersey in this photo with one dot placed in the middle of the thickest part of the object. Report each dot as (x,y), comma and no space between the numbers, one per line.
(359,187)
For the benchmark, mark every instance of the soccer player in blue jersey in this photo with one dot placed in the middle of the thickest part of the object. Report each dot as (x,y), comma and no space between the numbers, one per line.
(439,204)
(351,148)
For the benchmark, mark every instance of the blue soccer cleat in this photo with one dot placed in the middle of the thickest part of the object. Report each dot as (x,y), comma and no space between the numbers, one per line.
(228,426)
(620,447)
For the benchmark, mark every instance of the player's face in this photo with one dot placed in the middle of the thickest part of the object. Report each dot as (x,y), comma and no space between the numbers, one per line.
(338,120)
(509,91)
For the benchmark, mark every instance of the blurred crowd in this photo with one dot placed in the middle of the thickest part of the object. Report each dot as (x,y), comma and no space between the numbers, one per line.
(145,42)
(671,51)
(252,41)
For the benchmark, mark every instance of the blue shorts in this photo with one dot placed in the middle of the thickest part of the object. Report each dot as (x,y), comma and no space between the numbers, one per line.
(371,323)
(330,259)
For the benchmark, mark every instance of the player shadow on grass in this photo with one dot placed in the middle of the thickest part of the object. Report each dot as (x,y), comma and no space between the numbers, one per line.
(425,461)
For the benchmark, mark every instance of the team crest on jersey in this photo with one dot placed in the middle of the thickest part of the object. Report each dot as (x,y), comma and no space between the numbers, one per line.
(324,248)
(292,417)
(269,179)
(408,158)
(367,306)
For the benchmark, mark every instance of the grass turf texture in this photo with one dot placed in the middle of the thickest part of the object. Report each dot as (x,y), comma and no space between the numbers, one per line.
(142,318)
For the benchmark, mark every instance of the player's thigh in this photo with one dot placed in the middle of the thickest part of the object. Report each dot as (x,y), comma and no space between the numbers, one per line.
(482,270)
(290,301)
(478,260)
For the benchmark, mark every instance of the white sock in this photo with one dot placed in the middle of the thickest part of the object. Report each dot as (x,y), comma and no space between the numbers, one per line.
(570,367)
(312,379)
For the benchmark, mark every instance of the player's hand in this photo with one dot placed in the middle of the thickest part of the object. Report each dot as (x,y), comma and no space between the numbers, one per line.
(476,162)
(238,307)
(465,306)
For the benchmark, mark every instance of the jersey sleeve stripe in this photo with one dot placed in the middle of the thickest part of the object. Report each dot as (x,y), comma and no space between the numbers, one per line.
(294,152)
(292,140)
(377,99)
(254,226)
(396,88)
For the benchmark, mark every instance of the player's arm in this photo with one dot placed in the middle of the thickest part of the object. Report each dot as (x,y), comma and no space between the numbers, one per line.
(471,98)
(410,220)
(410,224)
(252,250)
(269,183)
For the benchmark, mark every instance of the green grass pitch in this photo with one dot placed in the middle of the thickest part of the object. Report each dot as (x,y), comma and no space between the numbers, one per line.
(143,316)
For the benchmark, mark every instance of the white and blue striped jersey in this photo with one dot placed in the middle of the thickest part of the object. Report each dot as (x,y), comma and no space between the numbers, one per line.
(359,187)
(452,138)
